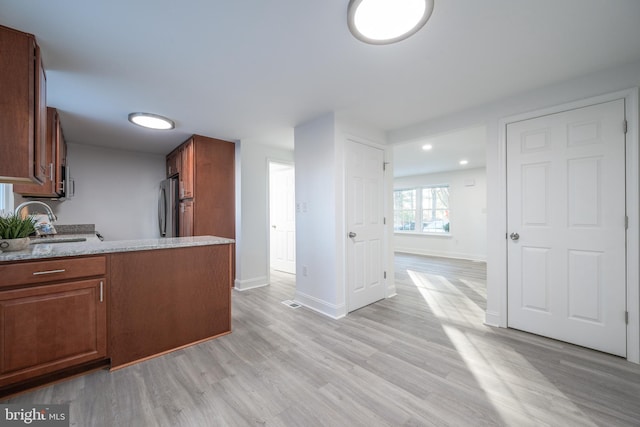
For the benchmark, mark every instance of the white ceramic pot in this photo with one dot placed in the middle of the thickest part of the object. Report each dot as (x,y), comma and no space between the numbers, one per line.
(8,245)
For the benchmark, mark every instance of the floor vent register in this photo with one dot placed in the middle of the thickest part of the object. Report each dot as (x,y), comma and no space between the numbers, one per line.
(291,304)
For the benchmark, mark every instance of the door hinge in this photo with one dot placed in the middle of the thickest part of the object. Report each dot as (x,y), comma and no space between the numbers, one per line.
(384,166)
(385,274)
(384,220)
(626,222)
(626,317)
(625,126)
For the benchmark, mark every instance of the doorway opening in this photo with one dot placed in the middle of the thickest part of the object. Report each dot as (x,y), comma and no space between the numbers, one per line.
(440,195)
(282,217)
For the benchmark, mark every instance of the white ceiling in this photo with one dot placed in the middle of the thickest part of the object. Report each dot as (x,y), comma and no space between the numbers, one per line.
(447,150)
(253,69)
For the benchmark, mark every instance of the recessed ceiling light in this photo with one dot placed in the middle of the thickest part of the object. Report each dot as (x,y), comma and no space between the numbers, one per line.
(427,147)
(387,21)
(464,162)
(151,121)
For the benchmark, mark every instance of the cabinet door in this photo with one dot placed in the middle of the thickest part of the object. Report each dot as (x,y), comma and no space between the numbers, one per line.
(22,110)
(41,167)
(55,144)
(187,170)
(186,218)
(173,163)
(60,156)
(51,327)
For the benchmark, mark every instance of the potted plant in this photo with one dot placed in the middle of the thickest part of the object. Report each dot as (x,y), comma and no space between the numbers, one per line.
(15,231)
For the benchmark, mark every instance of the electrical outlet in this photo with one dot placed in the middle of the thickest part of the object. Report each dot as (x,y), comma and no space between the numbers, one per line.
(304,270)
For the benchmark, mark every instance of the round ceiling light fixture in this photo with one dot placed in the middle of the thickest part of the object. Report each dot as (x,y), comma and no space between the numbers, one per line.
(387,21)
(151,121)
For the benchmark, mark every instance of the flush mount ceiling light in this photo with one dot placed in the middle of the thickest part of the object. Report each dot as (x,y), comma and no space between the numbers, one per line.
(464,162)
(427,147)
(387,21)
(151,121)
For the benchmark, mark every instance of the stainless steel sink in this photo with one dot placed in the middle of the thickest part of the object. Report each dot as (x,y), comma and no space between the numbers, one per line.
(58,240)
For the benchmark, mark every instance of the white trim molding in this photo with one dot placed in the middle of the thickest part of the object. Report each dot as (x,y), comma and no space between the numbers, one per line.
(322,307)
(442,254)
(256,282)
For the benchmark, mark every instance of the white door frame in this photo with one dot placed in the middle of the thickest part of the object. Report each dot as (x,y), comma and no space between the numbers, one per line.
(633,210)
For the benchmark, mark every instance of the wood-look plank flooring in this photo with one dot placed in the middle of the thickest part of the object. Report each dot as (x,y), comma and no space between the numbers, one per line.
(422,358)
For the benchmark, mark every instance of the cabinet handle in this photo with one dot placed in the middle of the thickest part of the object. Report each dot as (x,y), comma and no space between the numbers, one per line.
(50,171)
(101,291)
(38,273)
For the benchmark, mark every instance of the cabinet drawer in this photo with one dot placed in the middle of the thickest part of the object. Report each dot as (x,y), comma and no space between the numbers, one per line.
(47,271)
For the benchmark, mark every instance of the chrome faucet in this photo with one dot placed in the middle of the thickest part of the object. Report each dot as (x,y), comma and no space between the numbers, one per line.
(50,214)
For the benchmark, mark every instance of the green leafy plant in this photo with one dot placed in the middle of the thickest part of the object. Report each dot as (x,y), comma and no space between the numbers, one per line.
(14,226)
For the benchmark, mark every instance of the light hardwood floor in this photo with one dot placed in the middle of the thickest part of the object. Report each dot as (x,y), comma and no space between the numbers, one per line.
(422,358)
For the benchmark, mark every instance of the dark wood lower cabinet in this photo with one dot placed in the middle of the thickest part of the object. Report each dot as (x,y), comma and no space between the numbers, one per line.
(166,299)
(55,321)
(47,328)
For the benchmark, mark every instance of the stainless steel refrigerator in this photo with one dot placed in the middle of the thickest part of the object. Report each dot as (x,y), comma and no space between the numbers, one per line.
(168,208)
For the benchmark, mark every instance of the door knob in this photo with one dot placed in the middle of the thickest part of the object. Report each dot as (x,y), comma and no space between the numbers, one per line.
(514,236)
(352,234)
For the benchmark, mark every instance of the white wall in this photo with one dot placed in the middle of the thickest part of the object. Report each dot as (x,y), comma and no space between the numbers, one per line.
(603,82)
(320,211)
(318,284)
(468,207)
(116,190)
(252,211)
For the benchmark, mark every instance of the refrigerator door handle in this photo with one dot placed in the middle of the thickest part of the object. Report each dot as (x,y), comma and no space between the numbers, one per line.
(162,214)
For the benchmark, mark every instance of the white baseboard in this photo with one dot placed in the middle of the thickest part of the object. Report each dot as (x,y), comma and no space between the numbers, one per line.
(322,307)
(492,319)
(245,285)
(455,255)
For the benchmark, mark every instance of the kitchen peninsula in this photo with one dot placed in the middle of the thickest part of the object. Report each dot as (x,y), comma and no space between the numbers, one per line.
(69,307)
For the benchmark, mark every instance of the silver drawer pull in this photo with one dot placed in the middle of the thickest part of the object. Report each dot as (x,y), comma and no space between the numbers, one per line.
(38,273)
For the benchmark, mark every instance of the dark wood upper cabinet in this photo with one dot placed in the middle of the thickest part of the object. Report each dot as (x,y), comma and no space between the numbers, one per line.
(40,164)
(173,163)
(56,149)
(22,109)
(187,153)
(207,182)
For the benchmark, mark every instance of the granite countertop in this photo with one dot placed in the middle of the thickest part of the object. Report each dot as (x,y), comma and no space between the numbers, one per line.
(93,246)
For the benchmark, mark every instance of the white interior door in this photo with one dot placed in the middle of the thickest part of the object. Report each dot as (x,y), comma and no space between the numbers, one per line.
(282,216)
(566,220)
(365,228)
